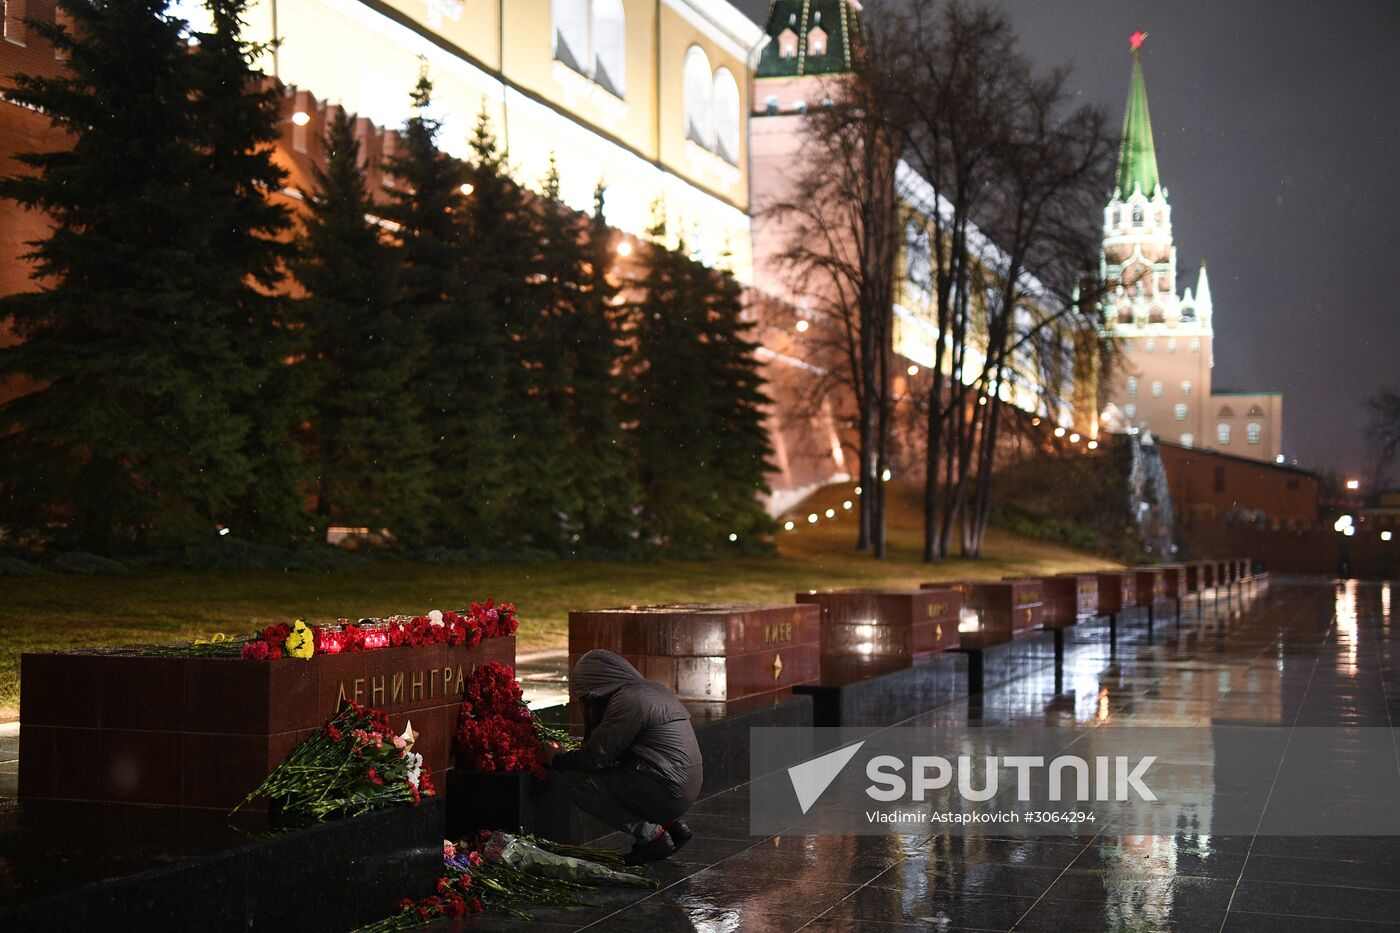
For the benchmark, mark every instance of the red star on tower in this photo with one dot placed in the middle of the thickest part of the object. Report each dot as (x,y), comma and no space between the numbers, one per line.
(1136,39)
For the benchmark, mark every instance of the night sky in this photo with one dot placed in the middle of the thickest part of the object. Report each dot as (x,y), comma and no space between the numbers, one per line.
(1278,138)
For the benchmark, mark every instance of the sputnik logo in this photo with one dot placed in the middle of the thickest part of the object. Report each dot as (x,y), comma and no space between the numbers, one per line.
(811,778)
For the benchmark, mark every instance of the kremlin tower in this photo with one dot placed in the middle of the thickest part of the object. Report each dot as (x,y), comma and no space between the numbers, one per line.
(1166,340)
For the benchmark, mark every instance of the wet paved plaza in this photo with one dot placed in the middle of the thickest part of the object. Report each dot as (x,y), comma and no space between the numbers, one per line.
(1291,653)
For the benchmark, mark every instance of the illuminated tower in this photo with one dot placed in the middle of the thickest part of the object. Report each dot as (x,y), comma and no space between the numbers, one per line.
(1165,340)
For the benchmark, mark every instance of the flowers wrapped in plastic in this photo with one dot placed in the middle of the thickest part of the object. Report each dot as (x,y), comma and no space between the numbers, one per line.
(352,765)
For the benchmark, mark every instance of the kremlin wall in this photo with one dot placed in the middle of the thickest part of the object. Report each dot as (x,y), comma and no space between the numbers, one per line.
(688,108)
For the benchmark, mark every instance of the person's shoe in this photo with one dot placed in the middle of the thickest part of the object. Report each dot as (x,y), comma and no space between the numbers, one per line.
(659,848)
(680,834)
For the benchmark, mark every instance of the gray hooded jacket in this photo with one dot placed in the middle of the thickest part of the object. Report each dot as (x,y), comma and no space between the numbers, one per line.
(642,720)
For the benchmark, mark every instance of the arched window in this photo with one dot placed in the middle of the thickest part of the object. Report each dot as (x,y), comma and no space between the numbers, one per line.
(571,34)
(770,106)
(1187,440)
(1132,386)
(1130,410)
(1195,344)
(1127,346)
(816,41)
(1186,387)
(1171,341)
(1222,433)
(610,46)
(1252,432)
(727,118)
(1151,345)
(1137,216)
(1156,390)
(1180,412)
(699,91)
(787,44)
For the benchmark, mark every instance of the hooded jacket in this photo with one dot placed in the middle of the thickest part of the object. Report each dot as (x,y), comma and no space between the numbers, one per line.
(641,720)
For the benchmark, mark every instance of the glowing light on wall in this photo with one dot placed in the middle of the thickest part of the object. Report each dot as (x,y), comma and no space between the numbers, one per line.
(913,370)
(802,327)
(624,248)
(788,526)
(467,188)
(301,118)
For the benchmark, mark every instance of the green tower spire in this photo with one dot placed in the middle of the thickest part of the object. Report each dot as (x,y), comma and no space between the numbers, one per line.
(1137,157)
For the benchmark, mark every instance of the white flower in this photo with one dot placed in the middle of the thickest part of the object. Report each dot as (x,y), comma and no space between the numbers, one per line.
(435,617)
(415,767)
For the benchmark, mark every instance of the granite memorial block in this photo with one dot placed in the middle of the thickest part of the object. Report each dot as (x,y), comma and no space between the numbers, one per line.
(1117,591)
(1069,598)
(116,726)
(1173,580)
(709,653)
(887,628)
(995,612)
(1151,585)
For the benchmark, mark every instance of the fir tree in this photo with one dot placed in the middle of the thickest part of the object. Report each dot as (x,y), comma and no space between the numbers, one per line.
(700,434)
(246,245)
(672,404)
(366,437)
(604,457)
(427,204)
(128,436)
(737,414)
(549,471)
(492,327)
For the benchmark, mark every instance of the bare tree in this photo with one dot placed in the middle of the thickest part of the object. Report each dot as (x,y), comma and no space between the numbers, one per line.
(844,231)
(1383,432)
(1014,178)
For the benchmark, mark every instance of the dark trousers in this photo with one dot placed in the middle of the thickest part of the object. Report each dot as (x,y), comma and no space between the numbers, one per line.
(629,797)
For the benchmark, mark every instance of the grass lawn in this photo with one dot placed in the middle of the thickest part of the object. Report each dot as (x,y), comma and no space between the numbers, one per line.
(168,605)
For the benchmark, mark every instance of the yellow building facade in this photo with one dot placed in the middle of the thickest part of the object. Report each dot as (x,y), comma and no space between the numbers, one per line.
(649,97)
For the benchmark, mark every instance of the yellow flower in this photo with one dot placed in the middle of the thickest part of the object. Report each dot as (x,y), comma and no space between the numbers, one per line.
(301,643)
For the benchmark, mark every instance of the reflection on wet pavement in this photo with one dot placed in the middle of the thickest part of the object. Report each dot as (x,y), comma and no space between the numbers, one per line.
(1294,652)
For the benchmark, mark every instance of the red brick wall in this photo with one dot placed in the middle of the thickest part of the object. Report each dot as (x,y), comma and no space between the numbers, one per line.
(1207,486)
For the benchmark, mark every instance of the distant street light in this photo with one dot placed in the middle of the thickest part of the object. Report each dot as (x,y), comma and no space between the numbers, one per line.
(624,248)
(1385,536)
(913,370)
(802,327)
(1353,484)
(467,188)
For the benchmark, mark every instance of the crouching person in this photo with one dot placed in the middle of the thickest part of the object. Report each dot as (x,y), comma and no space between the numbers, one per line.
(639,767)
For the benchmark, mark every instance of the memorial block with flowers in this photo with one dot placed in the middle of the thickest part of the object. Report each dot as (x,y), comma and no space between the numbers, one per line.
(202,725)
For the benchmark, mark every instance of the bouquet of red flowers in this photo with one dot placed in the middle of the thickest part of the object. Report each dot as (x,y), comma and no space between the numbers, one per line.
(352,765)
(465,627)
(495,729)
